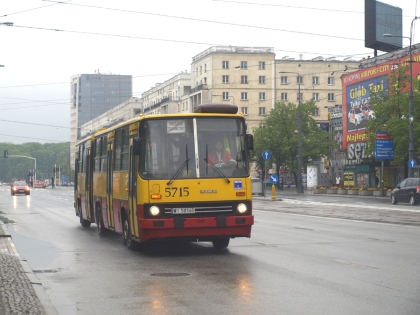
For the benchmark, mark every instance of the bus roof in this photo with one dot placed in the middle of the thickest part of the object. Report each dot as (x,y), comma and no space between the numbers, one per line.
(211,109)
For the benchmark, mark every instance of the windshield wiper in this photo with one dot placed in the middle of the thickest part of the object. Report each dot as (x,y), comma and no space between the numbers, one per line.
(181,167)
(217,170)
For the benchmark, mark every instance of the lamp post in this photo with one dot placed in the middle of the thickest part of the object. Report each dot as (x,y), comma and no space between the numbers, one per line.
(299,174)
(411,153)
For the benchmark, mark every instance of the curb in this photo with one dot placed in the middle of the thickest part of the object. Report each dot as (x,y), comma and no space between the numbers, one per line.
(42,296)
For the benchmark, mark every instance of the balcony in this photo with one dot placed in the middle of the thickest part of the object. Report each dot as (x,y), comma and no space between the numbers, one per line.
(199,88)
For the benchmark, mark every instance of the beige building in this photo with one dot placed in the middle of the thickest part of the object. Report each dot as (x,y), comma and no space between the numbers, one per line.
(252,79)
(170,96)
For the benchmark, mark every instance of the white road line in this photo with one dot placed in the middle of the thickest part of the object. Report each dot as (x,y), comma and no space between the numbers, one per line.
(292,201)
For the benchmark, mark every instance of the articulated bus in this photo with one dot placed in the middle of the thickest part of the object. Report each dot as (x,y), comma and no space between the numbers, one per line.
(153,178)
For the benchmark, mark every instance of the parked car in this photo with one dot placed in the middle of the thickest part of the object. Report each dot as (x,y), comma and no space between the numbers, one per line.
(406,191)
(20,187)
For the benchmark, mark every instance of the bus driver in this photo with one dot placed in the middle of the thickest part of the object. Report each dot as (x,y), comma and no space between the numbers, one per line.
(220,156)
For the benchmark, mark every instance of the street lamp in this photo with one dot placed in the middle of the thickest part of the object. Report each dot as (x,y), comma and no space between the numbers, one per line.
(299,174)
(411,155)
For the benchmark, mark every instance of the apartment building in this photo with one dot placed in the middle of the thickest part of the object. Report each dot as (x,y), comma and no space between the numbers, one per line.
(92,95)
(254,80)
(244,76)
(170,96)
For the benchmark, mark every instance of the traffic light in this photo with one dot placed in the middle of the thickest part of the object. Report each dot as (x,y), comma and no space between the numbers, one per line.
(6,153)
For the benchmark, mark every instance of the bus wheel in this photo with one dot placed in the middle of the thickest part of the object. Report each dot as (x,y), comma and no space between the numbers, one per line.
(221,243)
(100,222)
(83,222)
(127,240)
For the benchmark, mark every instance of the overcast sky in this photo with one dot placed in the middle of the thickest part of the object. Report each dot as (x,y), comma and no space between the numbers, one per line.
(152,41)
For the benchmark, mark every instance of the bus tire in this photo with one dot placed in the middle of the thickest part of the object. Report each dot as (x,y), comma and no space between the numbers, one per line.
(221,243)
(100,222)
(127,237)
(83,222)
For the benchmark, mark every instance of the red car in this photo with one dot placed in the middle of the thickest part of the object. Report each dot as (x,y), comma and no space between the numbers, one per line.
(20,187)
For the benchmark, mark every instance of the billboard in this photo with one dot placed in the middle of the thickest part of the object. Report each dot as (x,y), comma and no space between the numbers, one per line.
(380,19)
(358,87)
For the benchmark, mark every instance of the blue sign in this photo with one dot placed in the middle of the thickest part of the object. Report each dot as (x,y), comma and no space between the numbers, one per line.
(384,150)
(266,155)
(274,179)
(412,163)
(237,184)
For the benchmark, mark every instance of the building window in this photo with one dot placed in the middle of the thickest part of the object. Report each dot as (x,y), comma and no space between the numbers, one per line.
(284,97)
(316,113)
(262,96)
(300,96)
(261,111)
(225,96)
(196,71)
(299,79)
(244,96)
(244,110)
(205,68)
(315,80)
(201,70)
(284,80)
(244,64)
(261,79)
(315,97)
(244,79)
(331,97)
(225,79)
(261,65)
(331,81)
(225,64)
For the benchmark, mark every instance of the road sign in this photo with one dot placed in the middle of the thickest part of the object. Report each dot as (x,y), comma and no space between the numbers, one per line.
(274,178)
(412,163)
(266,155)
(384,149)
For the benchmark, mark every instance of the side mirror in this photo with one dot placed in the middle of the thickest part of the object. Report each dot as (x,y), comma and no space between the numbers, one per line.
(249,139)
(136,145)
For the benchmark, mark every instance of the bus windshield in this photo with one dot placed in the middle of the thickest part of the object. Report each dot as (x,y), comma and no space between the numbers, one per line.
(205,147)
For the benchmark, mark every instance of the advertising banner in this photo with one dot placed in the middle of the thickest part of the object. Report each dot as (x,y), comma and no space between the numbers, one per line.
(358,87)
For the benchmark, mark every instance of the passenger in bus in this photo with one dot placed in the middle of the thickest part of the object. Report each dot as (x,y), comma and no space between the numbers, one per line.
(220,157)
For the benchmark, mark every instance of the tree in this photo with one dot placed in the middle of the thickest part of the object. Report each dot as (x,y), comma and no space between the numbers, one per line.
(391,114)
(278,134)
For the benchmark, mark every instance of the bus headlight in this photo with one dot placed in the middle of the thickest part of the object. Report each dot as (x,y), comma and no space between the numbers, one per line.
(242,208)
(154,211)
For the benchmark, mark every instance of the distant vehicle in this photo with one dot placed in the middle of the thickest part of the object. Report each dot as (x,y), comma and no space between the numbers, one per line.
(20,187)
(407,191)
(367,112)
(355,116)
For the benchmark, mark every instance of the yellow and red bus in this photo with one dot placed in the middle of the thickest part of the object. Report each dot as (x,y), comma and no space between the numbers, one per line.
(151,178)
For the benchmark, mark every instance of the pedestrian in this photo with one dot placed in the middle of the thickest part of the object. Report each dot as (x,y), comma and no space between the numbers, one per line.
(337,180)
(52,182)
(376,181)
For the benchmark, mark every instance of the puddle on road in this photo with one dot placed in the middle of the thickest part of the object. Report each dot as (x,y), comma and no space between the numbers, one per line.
(39,254)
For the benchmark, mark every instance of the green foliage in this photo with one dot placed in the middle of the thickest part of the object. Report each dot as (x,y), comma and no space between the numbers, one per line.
(278,134)
(46,156)
(391,110)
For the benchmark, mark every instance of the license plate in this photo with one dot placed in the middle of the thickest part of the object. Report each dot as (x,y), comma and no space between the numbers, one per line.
(182,210)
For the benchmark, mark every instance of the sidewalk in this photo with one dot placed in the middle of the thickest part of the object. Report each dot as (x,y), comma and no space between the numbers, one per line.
(20,290)
(292,193)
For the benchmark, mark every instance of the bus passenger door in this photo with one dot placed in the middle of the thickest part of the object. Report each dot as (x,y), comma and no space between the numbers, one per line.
(109,180)
(132,191)
(88,185)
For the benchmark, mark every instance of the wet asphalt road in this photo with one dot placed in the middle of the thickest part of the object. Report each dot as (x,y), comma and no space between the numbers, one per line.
(305,256)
